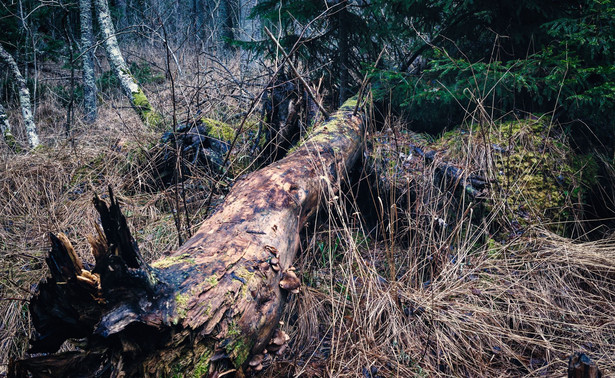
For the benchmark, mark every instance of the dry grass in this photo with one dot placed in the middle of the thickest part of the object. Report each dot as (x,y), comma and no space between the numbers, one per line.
(414,297)
(51,189)
(403,280)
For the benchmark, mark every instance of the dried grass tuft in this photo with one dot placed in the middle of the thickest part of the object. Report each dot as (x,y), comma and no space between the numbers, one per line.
(428,292)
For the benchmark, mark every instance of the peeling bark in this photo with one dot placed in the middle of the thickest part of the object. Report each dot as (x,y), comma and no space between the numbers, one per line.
(24,97)
(211,305)
(129,84)
(89,80)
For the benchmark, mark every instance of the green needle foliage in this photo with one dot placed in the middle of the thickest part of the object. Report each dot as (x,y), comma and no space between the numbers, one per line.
(445,59)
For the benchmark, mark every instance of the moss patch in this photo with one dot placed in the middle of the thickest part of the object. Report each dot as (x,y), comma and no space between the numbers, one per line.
(219,129)
(181,303)
(144,109)
(201,368)
(166,262)
(535,172)
(10,140)
(238,347)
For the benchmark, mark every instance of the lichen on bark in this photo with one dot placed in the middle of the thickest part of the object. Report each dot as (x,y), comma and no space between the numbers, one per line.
(129,85)
(24,97)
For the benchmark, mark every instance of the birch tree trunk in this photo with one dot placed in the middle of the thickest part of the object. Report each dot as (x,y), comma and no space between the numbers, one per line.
(89,80)
(129,85)
(5,128)
(24,98)
(213,305)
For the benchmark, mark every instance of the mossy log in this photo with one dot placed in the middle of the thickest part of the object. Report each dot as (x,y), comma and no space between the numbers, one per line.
(214,304)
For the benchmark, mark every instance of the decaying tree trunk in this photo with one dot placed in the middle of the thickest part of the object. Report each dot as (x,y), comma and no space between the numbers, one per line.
(129,84)
(213,305)
(24,97)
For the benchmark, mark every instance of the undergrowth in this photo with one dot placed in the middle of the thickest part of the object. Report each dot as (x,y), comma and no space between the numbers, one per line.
(427,284)
(403,273)
(51,189)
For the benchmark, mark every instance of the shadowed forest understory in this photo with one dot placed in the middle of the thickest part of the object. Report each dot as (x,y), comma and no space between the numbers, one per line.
(308,188)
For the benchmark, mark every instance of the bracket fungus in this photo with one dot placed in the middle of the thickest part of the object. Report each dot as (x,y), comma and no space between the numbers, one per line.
(290,281)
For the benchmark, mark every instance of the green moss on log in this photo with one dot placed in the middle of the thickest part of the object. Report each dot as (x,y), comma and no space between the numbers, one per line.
(326,131)
(201,368)
(144,109)
(238,348)
(218,129)
(536,173)
(10,140)
(181,303)
(166,262)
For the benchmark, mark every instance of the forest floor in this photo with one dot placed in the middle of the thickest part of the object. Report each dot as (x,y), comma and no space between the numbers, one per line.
(411,272)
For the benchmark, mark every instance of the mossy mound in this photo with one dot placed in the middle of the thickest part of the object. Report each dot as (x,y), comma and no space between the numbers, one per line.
(534,174)
(531,173)
(242,159)
(219,129)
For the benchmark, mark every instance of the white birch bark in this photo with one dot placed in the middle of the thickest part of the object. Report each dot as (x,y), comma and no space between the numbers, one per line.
(24,97)
(129,85)
(5,126)
(89,80)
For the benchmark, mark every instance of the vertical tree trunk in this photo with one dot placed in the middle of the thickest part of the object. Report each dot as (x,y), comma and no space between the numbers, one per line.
(222,21)
(229,13)
(250,28)
(343,54)
(5,128)
(89,80)
(121,6)
(129,85)
(214,9)
(24,97)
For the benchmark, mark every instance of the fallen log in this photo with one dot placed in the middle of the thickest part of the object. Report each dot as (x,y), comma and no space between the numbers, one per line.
(210,307)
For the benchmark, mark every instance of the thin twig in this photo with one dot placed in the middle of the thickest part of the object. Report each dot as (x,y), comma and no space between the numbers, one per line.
(178,154)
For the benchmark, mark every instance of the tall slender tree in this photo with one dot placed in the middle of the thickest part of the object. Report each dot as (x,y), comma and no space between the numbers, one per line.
(129,84)
(89,82)
(24,97)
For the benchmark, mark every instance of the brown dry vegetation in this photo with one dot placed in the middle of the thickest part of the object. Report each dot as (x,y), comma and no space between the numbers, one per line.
(400,278)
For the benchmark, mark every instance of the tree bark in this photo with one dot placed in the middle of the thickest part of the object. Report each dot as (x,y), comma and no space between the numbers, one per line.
(211,306)
(5,128)
(343,53)
(89,80)
(129,84)
(198,18)
(24,97)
